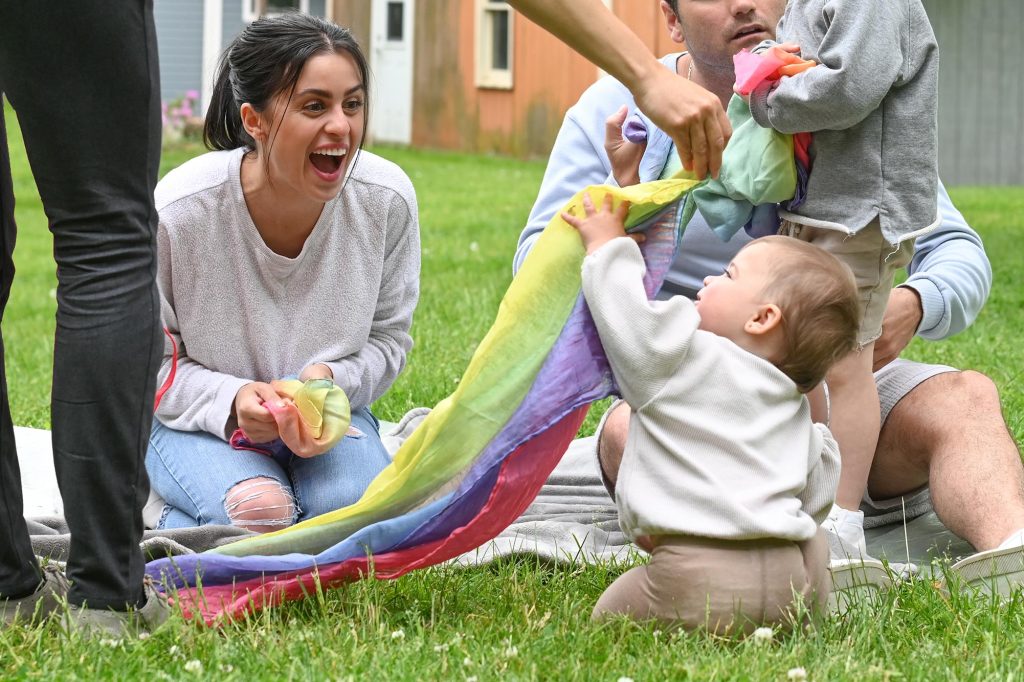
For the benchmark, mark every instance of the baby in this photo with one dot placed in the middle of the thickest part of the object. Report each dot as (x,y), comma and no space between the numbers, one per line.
(724,478)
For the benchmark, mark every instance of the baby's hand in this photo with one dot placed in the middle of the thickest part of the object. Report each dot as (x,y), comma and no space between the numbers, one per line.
(600,227)
(623,155)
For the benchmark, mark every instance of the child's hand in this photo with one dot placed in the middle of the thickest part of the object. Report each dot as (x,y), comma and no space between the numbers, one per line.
(600,227)
(624,155)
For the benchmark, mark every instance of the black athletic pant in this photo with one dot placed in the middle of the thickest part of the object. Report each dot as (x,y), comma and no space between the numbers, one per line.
(82,78)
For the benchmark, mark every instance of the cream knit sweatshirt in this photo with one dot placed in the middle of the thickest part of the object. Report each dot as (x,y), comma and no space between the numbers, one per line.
(721,443)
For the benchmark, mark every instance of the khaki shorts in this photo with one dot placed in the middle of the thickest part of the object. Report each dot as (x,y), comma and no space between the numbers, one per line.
(723,586)
(873,260)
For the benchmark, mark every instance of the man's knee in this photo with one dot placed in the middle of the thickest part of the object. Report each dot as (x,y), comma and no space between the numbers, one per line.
(951,396)
(612,441)
(972,388)
(260,504)
(936,410)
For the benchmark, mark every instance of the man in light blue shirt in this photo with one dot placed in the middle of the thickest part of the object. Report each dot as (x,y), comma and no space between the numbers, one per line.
(943,442)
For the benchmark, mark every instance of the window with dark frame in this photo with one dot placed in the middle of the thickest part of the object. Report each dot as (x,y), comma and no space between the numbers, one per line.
(396,21)
(494,44)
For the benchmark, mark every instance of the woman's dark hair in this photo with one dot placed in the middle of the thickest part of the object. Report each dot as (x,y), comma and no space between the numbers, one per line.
(265,60)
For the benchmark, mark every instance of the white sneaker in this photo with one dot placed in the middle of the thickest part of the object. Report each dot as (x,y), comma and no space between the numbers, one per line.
(856,576)
(997,571)
(848,526)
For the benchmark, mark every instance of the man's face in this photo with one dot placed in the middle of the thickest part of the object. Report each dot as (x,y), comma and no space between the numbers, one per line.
(715,30)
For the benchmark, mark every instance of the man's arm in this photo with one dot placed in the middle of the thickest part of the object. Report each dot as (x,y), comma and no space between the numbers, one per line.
(579,158)
(949,281)
(691,115)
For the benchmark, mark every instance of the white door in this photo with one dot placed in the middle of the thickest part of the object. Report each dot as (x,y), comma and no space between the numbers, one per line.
(391,31)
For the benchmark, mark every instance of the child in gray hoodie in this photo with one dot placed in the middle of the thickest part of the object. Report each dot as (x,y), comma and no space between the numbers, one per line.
(871,104)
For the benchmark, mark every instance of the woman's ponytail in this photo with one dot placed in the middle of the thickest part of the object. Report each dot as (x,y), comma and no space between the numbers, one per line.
(223,127)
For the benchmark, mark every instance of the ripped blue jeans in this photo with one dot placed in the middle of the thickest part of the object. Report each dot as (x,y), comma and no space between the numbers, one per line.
(194,472)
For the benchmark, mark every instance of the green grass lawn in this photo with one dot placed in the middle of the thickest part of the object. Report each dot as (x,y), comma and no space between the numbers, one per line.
(518,619)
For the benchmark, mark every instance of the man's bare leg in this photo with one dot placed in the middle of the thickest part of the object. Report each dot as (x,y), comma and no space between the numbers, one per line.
(949,433)
(611,441)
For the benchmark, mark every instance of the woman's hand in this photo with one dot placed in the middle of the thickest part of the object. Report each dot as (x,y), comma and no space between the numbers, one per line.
(316,371)
(598,228)
(255,420)
(623,155)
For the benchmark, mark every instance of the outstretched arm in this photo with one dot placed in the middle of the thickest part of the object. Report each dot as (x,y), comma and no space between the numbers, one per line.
(692,116)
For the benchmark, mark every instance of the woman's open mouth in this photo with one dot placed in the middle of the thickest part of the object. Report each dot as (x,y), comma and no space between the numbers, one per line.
(328,162)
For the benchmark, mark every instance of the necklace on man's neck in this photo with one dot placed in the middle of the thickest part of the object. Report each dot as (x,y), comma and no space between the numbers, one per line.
(689,70)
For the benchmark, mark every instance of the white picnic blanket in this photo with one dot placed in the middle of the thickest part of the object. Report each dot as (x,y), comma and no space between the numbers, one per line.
(572,520)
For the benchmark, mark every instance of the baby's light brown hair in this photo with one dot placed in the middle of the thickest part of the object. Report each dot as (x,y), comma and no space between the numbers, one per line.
(817,295)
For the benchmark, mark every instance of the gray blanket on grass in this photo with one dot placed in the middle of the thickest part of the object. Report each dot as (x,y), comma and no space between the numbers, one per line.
(572,520)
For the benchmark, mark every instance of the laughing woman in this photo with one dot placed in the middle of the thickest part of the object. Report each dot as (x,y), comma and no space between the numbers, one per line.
(288,251)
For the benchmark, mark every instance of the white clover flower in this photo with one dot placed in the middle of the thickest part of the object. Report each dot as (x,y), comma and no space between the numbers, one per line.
(225,667)
(194,666)
(796,674)
(173,651)
(143,635)
(511,651)
(467,661)
(112,643)
(474,247)
(398,634)
(763,635)
(625,679)
(471,678)
(440,648)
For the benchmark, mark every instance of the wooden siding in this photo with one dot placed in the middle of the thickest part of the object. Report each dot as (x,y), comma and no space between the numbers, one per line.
(179,29)
(355,16)
(981,96)
(452,112)
(648,22)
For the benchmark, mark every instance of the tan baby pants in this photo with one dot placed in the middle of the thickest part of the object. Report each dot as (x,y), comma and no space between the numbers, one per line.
(723,586)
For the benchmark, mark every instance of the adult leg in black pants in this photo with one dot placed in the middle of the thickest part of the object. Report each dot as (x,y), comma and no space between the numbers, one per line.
(82,78)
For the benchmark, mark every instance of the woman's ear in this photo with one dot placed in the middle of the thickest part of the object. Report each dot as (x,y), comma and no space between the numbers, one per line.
(252,121)
(767,318)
